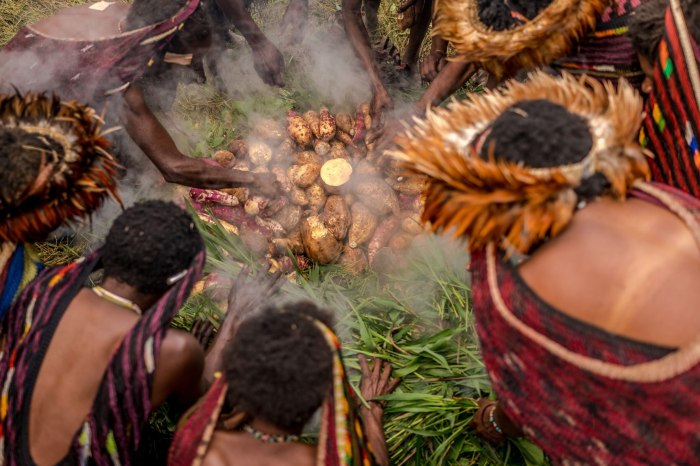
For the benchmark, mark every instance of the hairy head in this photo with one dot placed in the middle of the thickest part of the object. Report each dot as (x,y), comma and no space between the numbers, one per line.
(646,27)
(498,14)
(147,12)
(19,164)
(281,365)
(150,243)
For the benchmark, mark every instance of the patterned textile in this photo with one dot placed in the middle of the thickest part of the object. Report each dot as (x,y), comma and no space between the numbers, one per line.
(586,396)
(111,432)
(607,52)
(87,69)
(342,440)
(672,122)
(17,269)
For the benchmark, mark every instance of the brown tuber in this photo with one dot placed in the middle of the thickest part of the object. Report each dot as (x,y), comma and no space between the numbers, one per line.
(239,148)
(377,196)
(335,175)
(345,122)
(269,130)
(319,243)
(260,153)
(354,260)
(313,120)
(328,126)
(336,216)
(298,197)
(362,226)
(289,217)
(224,158)
(304,176)
(317,196)
(322,148)
(298,129)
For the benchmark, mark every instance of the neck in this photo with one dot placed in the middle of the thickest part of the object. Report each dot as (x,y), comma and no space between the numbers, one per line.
(271,429)
(142,300)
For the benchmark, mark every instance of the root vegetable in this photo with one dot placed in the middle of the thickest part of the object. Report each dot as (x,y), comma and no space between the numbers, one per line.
(239,148)
(271,225)
(367,116)
(298,197)
(412,203)
(381,236)
(308,156)
(255,205)
(260,153)
(401,240)
(224,158)
(335,175)
(319,243)
(354,260)
(336,216)
(358,151)
(328,126)
(285,150)
(242,194)
(298,129)
(212,196)
(338,151)
(282,178)
(234,215)
(289,217)
(284,246)
(304,176)
(313,120)
(317,196)
(229,228)
(362,226)
(344,137)
(296,242)
(322,148)
(269,130)
(241,166)
(377,196)
(345,122)
(273,206)
(255,238)
(411,223)
(364,168)
(286,265)
(359,135)
(412,185)
(260,169)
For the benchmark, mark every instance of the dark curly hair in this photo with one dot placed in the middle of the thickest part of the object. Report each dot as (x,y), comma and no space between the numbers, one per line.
(19,166)
(646,27)
(149,243)
(497,14)
(541,134)
(280,365)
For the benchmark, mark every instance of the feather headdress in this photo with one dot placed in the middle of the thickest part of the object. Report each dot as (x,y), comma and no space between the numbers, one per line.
(491,200)
(537,42)
(75,170)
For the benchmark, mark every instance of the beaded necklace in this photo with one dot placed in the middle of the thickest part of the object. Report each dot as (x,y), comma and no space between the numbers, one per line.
(269,438)
(116,299)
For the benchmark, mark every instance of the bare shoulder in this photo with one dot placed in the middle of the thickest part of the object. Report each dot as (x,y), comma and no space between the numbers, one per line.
(179,369)
(180,348)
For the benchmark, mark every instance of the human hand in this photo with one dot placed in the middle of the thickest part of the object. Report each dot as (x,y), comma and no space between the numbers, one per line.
(382,139)
(203,330)
(269,63)
(484,422)
(432,64)
(380,103)
(376,382)
(266,184)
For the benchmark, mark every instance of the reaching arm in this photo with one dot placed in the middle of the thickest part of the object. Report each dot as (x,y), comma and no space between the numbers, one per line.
(150,135)
(359,39)
(450,78)
(268,61)
(179,370)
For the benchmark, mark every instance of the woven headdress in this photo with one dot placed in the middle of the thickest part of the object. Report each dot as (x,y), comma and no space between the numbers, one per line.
(72,171)
(492,200)
(548,36)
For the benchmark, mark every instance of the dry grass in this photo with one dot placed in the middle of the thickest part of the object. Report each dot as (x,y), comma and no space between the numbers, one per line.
(16,13)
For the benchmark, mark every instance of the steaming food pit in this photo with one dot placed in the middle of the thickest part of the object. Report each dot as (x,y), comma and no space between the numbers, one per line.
(338,202)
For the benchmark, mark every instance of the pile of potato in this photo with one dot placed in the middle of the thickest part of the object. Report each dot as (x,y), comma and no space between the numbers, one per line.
(338,202)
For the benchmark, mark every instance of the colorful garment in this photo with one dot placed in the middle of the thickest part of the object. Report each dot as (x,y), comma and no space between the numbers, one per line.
(18,267)
(607,53)
(87,69)
(672,123)
(111,432)
(342,440)
(584,395)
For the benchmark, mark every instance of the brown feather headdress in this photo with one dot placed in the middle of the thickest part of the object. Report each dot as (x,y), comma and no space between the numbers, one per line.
(74,171)
(517,206)
(538,42)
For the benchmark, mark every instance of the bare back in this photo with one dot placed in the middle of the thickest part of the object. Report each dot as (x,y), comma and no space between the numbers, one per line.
(84,22)
(240,449)
(631,268)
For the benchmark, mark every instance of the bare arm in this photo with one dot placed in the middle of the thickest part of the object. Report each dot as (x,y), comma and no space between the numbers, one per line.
(268,61)
(450,78)
(359,39)
(150,135)
(178,371)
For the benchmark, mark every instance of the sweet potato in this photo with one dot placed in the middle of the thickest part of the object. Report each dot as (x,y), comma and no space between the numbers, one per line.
(322,148)
(336,216)
(239,148)
(255,238)
(377,196)
(241,165)
(319,243)
(288,266)
(317,196)
(400,240)
(381,236)
(225,158)
(358,151)
(285,150)
(298,197)
(260,153)
(232,229)
(212,196)
(328,126)
(344,137)
(255,205)
(414,203)
(282,178)
(272,225)
(367,116)
(234,215)
(363,224)
(354,260)
(273,206)
(284,246)
(308,156)
(410,223)
(242,194)
(289,217)
(296,242)
(344,122)
(260,169)
(335,175)
(359,135)
(365,169)
(298,129)
(338,151)
(312,119)
(304,176)
(270,131)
